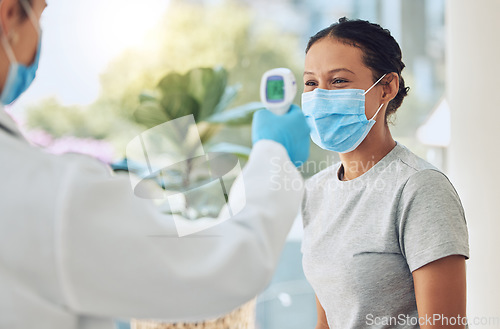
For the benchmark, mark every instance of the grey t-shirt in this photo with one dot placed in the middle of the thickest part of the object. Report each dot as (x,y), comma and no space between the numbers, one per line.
(364,237)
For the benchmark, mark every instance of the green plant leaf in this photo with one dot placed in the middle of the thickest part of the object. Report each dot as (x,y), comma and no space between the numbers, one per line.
(207,86)
(148,96)
(177,104)
(173,82)
(227,98)
(240,115)
(239,150)
(150,114)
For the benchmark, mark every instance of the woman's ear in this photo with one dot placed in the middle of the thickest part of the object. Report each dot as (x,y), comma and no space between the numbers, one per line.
(390,85)
(9,15)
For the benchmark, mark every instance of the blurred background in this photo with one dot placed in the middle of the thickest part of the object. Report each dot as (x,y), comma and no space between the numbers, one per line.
(100,58)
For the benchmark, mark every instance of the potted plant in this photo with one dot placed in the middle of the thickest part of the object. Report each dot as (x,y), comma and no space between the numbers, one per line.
(202,93)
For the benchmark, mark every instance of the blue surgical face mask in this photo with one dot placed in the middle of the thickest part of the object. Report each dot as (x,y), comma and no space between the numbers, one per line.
(337,117)
(20,76)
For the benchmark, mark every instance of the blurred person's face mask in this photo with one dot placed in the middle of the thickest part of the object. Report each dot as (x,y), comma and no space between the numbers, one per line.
(337,117)
(20,76)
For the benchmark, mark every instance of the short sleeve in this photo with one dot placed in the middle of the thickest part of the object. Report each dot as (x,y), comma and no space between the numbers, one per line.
(431,218)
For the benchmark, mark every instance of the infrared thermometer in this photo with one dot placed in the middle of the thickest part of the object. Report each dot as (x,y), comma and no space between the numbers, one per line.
(278,89)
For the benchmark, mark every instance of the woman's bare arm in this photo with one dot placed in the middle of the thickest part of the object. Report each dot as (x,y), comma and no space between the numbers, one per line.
(440,290)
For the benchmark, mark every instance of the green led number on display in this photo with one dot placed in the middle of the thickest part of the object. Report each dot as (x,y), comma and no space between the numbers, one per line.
(275,90)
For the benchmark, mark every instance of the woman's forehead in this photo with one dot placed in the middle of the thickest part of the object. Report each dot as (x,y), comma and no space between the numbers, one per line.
(330,54)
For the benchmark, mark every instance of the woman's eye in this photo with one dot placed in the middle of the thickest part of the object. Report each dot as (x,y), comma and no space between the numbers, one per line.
(310,83)
(339,81)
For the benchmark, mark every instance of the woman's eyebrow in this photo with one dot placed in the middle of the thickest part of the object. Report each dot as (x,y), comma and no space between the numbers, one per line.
(332,71)
(341,69)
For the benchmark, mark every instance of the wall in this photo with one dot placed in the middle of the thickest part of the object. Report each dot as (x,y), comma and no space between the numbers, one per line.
(473,86)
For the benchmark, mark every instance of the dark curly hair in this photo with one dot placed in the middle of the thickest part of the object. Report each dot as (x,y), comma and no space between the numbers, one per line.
(381,52)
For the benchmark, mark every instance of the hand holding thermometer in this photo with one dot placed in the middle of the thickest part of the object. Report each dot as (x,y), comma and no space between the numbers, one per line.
(277,90)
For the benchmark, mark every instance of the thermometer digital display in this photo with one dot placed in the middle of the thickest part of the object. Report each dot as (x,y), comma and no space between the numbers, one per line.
(275,89)
(278,89)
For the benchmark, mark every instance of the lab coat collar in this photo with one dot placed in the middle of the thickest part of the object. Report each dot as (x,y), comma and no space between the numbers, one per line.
(10,124)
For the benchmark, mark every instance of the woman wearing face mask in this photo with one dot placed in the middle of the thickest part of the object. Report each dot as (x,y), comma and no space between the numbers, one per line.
(78,248)
(385,237)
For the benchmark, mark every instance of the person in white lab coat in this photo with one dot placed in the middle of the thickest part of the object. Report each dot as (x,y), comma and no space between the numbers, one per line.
(75,243)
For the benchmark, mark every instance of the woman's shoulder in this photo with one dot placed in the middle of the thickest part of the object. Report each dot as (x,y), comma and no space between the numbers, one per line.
(411,160)
(418,174)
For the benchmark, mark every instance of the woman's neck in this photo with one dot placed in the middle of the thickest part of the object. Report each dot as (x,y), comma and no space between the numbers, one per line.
(376,145)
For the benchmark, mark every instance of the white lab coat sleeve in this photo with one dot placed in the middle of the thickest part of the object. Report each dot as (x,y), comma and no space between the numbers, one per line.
(119,256)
